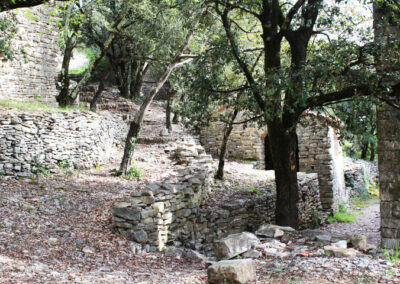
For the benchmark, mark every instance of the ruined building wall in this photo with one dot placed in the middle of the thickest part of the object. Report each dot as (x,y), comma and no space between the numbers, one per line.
(32,73)
(175,212)
(319,152)
(81,139)
(388,125)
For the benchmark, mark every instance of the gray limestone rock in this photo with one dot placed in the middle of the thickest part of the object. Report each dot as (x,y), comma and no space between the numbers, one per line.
(359,241)
(239,271)
(340,252)
(234,245)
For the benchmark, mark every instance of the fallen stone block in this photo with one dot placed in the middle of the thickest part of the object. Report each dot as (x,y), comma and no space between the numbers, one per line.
(234,245)
(238,271)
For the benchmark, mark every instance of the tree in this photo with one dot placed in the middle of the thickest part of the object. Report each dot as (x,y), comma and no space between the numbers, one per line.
(297,73)
(6,5)
(178,59)
(73,29)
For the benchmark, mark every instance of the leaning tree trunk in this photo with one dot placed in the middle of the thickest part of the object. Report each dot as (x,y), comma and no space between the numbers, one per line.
(283,149)
(102,84)
(136,123)
(222,152)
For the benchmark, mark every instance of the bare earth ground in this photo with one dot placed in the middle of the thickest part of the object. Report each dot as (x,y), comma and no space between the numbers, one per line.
(58,230)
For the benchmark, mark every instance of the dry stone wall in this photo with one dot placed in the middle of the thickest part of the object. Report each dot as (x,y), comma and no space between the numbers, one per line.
(32,73)
(243,143)
(174,212)
(388,126)
(81,139)
(319,152)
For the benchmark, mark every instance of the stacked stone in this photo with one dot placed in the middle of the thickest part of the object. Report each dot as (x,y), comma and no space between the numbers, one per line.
(83,139)
(172,212)
(321,153)
(166,211)
(243,143)
(388,125)
(31,74)
(310,207)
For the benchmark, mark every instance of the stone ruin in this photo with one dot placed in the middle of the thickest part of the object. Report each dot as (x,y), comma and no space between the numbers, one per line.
(37,59)
(50,139)
(174,212)
(319,151)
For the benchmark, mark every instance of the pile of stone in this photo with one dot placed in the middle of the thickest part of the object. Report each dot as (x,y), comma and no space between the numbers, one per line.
(47,140)
(236,252)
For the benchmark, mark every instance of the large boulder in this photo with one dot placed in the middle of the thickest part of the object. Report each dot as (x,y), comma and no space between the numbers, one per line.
(238,271)
(234,245)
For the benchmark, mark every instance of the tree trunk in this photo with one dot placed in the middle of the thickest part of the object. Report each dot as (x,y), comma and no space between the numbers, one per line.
(97,95)
(283,149)
(372,154)
(168,115)
(364,150)
(222,152)
(124,79)
(130,145)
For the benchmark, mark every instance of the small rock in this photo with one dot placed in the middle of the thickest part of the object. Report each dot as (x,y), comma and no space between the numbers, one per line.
(325,239)
(174,252)
(341,252)
(139,236)
(52,241)
(88,250)
(238,271)
(253,253)
(194,255)
(340,244)
(359,241)
(273,231)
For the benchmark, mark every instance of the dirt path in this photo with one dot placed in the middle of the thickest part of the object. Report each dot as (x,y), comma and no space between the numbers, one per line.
(367,223)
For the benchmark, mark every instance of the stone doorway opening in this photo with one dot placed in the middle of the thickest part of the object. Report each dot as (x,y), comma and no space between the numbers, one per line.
(268,163)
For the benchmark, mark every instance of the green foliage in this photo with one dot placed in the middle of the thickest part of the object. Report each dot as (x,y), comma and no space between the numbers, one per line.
(342,215)
(38,168)
(64,164)
(8,31)
(393,255)
(254,190)
(134,172)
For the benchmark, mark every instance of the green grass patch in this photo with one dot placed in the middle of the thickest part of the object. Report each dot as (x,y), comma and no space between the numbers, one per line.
(346,217)
(36,106)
